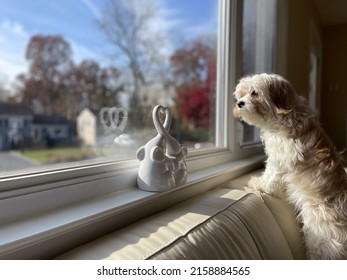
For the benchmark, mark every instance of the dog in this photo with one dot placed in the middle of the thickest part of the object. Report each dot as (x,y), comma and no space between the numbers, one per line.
(302,163)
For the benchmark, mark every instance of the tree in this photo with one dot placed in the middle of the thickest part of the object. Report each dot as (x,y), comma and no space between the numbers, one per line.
(194,71)
(90,85)
(4,93)
(129,27)
(49,58)
(55,85)
(195,100)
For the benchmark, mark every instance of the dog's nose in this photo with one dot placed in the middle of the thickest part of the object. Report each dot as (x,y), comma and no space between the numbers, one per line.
(240,104)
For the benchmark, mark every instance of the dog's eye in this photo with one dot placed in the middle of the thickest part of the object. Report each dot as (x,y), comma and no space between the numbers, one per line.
(254,94)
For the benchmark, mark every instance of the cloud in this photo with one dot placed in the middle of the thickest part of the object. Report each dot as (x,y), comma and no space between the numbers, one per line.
(13,41)
(92,8)
(14,27)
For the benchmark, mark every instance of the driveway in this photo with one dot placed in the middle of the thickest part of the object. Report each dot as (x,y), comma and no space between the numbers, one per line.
(11,161)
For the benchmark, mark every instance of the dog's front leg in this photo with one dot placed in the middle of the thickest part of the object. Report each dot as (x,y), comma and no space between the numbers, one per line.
(270,182)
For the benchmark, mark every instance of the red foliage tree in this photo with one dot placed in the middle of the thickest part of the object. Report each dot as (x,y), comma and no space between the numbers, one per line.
(195,74)
(195,100)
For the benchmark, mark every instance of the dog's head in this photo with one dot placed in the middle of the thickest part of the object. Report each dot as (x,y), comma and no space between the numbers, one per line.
(261,99)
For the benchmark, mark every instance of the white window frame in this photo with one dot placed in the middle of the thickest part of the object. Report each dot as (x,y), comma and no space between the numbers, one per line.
(51,209)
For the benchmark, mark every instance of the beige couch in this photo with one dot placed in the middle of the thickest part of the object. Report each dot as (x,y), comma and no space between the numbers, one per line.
(228,222)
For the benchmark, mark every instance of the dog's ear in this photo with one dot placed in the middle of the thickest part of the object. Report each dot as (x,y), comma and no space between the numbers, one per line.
(282,95)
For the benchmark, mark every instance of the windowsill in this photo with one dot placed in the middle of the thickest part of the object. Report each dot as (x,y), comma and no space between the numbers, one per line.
(44,235)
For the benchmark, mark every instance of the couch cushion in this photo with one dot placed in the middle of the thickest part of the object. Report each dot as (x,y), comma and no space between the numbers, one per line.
(226,223)
(245,230)
(282,211)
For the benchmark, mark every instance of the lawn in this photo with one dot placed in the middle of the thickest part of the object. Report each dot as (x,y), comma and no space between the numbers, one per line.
(55,155)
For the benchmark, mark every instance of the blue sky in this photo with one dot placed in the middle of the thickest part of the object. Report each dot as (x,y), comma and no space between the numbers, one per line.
(75,20)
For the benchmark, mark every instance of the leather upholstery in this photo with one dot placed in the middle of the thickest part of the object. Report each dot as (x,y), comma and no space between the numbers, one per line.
(226,223)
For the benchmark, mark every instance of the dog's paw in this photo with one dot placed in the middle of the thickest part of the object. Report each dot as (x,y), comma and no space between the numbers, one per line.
(261,184)
(255,183)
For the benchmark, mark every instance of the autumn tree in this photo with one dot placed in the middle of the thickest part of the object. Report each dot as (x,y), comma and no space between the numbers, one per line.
(194,71)
(4,93)
(55,85)
(90,85)
(49,57)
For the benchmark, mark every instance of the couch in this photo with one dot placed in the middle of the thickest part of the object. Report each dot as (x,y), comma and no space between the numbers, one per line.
(228,222)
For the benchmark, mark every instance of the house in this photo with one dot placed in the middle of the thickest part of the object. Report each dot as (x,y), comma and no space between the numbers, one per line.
(15,125)
(51,129)
(97,129)
(19,128)
(87,127)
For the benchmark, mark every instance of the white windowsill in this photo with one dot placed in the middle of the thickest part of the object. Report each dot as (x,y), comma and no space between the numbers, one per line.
(45,234)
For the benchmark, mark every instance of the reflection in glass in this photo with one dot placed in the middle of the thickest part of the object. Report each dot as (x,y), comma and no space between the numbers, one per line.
(69,67)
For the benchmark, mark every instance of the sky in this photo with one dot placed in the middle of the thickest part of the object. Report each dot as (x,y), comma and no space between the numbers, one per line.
(75,20)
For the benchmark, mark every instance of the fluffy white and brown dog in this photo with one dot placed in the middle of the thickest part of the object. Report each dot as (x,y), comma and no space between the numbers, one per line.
(302,162)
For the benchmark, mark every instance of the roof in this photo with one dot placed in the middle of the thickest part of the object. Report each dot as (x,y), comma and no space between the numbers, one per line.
(93,111)
(51,120)
(14,109)
(20,110)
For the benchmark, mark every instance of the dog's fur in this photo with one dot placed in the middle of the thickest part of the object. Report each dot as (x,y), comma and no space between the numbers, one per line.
(302,163)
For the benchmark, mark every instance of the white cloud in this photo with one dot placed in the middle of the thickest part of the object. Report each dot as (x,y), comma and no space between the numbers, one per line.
(15,27)
(92,8)
(13,41)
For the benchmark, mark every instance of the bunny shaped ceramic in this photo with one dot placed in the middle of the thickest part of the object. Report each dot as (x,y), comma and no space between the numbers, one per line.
(162,159)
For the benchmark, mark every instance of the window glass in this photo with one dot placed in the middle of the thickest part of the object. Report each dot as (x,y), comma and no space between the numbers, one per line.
(79,79)
(258,50)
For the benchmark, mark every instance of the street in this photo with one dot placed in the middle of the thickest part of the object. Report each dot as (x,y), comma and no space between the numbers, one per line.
(10,161)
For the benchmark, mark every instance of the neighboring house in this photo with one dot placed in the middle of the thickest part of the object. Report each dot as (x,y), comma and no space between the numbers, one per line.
(88,127)
(91,131)
(51,129)
(15,123)
(19,128)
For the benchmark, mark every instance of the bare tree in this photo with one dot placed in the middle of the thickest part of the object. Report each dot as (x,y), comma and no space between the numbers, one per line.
(90,85)
(128,26)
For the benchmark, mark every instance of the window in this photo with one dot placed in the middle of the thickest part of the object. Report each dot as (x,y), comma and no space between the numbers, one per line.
(79,74)
(315,68)
(258,51)
(200,71)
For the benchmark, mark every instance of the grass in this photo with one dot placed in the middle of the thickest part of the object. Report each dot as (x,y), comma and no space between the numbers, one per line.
(55,155)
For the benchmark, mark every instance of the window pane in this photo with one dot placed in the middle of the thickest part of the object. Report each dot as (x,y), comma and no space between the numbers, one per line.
(258,49)
(79,79)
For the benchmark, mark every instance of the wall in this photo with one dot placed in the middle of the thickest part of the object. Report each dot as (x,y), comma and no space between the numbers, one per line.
(300,15)
(334,84)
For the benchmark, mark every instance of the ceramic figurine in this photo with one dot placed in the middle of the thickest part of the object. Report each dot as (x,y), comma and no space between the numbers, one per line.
(162,159)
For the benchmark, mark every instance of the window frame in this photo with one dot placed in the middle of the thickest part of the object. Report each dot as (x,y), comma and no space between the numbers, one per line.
(83,185)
